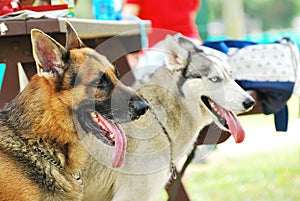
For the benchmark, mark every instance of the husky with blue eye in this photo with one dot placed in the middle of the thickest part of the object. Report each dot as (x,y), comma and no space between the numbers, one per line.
(192,90)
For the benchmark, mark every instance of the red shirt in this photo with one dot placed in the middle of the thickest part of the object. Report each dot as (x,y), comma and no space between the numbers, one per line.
(171,15)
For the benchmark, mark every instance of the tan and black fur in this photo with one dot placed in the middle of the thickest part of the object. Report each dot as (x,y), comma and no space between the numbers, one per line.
(41,155)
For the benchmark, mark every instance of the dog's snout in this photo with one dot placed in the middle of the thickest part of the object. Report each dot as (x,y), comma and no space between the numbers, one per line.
(248,103)
(138,105)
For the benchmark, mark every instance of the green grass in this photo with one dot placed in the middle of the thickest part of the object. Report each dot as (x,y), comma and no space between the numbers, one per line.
(268,175)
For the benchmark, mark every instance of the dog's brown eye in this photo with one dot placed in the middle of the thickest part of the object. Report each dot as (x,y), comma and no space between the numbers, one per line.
(102,82)
(99,82)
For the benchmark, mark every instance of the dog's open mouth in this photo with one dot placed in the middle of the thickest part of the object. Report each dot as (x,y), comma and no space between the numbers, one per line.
(105,130)
(106,134)
(225,119)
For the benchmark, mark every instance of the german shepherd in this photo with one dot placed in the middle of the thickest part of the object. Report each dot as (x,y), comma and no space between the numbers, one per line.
(40,149)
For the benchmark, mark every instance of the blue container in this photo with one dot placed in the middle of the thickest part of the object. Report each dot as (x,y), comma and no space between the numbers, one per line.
(2,71)
(107,9)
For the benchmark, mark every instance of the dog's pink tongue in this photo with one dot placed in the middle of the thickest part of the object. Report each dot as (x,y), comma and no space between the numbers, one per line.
(120,146)
(235,127)
(233,123)
(120,143)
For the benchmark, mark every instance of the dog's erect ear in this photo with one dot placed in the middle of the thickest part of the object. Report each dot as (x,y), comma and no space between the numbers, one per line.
(48,54)
(187,44)
(176,57)
(72,41)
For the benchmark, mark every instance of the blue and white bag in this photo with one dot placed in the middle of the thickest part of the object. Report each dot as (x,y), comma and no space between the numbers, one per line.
(271,69)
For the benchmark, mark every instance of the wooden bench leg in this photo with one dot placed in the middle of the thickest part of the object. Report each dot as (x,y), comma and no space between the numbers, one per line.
(180,195)
(175,188)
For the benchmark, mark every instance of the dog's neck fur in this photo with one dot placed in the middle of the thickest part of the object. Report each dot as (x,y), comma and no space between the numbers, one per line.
(36,157)
(48,124)
(179,104)
(190,108)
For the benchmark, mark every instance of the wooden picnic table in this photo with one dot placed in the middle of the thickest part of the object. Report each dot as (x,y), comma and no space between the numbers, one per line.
(15,46)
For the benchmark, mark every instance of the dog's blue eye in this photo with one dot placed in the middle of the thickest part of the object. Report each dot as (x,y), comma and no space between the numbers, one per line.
(215,79)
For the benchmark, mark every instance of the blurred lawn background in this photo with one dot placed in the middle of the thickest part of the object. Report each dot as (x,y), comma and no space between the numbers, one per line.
(265,167)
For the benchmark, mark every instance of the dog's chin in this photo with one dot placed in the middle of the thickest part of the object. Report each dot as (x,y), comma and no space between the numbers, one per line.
(210,106)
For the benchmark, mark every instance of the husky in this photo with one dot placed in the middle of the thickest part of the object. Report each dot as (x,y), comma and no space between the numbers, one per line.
(192,90)
(40,149)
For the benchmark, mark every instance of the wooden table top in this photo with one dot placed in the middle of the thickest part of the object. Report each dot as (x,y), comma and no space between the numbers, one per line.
(86,28)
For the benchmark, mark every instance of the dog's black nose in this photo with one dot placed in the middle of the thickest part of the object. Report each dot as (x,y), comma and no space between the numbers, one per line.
(138,105)
(248,103)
